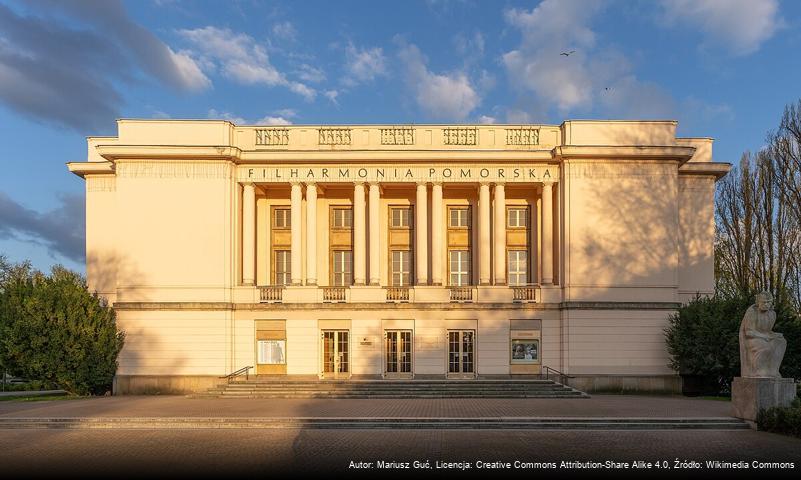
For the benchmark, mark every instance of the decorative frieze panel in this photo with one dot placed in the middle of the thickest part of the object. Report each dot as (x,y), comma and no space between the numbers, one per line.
(334,136)
(460,135)
(174,169)
(523,136)
(397,136)
(272,136)
(101,183)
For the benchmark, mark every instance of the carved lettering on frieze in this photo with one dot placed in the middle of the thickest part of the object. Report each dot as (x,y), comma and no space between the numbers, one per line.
(334,136)
(397,136)
(460,135)
(272,136)
(523,136)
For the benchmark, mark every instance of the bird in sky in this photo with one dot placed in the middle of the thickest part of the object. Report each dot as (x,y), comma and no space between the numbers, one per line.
(567,54)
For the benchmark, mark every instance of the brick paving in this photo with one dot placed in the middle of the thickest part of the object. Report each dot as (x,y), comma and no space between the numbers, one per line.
(205,453)
(180,406)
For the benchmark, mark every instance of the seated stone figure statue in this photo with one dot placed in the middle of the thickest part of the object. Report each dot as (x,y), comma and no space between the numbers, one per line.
(761,349)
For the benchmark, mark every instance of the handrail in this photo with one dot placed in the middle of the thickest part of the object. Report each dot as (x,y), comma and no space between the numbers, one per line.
(562,376)
(238,373)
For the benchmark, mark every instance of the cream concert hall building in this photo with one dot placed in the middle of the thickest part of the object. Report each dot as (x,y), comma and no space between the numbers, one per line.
(397,251)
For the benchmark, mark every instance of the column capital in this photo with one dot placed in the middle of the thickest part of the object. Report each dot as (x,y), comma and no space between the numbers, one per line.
(374,183)
(359,182)
(295,183)
(484,183)
(422,183)
(548,183)
(310,183)
(499,184)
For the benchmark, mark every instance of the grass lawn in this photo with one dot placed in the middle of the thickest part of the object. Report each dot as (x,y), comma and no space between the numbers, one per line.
(38,398)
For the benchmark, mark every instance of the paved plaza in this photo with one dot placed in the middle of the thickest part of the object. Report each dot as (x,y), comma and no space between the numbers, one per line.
(205,452)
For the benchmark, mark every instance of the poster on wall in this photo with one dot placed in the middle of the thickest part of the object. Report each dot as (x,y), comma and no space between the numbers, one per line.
(525,351)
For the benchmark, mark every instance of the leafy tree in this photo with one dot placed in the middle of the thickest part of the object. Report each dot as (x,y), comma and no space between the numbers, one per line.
(52,329)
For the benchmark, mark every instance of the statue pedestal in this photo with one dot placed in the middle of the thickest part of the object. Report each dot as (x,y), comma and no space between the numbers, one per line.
(749,395)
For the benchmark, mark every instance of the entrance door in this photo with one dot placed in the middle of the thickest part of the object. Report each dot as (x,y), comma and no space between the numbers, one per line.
(336,356)
(398,353)
(461,353)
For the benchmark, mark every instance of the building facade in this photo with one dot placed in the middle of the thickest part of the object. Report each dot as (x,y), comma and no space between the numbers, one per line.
(387,251)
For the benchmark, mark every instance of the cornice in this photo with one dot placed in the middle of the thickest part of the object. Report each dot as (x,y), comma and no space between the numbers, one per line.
(677,153)
(718,169)
(113,153)
(88,168)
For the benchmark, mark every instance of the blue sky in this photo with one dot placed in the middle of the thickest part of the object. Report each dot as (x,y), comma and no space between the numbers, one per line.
(722,68)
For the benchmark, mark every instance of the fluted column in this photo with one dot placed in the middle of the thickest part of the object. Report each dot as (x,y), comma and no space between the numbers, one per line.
(375,249)
(547,233)
(296,198)
(421,234)
(484,234)
(499,240)
(248,234)
(359,247)
(437,251)
(311,234)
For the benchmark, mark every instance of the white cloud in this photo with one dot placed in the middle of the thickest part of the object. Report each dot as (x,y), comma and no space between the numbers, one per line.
(444,96)
(285,31)
(485,119)
(583,79)
(237,56)
(363,65)
(740,26)
(270,120)
(331,95)
(286,112)
(311,74)
(188,71)
(215,115)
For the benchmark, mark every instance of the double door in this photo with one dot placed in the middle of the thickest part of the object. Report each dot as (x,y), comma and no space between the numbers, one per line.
(461,353)
(398,354)
(336,354)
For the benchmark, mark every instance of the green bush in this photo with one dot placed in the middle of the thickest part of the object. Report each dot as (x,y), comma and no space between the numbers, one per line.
(703,339)
(784,420)
(53,330)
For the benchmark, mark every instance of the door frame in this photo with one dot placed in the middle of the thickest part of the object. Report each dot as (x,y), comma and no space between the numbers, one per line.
(336,375)
(460,374)
(385,373)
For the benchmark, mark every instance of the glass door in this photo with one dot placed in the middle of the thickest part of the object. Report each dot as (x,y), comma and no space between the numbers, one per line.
(461,353)
(336,357)
(398,353)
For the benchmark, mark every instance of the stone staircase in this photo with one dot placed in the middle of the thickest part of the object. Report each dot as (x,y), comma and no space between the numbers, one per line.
(339,389)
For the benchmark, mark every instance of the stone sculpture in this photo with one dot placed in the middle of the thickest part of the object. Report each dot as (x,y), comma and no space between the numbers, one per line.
(761,349)
(760,385)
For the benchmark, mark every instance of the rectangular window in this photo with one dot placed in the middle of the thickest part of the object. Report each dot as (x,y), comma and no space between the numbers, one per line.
(282,218)
(283,267)
(272,352)
(459,267)
(459,217)
(401,268)
(518,267)
(400,217)
(518,217)
(343,218)
(343,268)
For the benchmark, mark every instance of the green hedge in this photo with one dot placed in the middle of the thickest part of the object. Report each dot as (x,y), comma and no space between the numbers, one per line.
(784,420)
(56,332)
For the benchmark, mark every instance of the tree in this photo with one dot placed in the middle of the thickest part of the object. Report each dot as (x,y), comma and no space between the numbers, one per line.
(52,329)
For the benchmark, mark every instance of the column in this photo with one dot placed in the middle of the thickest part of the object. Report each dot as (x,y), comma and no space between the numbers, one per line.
(499,240)
(248,234)
(437,252)
(484,234)
(375,229)
(296,198)
(421,234)
(311,234)
(359,247)
(547,233)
